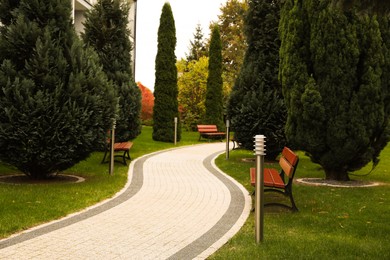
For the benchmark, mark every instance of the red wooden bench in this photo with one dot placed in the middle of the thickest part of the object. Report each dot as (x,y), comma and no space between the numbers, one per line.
(210,132)
(124,148)
(282,181)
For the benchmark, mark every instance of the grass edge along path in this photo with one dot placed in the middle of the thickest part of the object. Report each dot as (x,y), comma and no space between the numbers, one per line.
(24,206)
(332,223)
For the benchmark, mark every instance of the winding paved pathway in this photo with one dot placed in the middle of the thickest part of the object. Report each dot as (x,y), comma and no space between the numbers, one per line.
(176,205)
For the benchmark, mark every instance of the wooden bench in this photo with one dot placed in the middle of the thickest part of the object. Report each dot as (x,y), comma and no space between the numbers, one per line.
(210,132)
(282,181)
(123,147)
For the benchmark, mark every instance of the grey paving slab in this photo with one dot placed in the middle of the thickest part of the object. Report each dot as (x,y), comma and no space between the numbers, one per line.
(176,205)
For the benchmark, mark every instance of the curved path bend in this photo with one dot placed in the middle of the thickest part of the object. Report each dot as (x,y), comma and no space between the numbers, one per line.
(176,205)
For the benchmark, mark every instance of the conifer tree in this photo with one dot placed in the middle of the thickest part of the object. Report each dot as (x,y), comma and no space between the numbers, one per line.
(55,101)
(214,98)
(256,103)
(334,86)
(165,89)
(197,46)
(106,31)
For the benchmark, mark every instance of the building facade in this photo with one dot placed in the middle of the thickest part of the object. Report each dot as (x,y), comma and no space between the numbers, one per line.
(79,8)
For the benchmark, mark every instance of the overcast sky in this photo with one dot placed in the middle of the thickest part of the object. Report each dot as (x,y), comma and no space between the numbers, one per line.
(187,14)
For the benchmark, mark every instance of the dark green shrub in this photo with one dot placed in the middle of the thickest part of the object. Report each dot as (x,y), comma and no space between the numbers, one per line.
(55,101)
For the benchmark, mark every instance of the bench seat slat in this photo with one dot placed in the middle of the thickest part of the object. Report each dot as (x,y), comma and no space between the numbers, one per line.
(271,178)
(124,146)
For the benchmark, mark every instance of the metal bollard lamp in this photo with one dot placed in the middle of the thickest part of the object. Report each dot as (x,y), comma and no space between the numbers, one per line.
(175,131)
(112,141)
(259,189)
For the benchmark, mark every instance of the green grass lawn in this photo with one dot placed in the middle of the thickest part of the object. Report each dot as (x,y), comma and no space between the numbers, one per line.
(26,205)
(336,223)
(332,223)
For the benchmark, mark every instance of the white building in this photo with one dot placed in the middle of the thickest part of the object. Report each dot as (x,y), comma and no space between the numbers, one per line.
(79,8)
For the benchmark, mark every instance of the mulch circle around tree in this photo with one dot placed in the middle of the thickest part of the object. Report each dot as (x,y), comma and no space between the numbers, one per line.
(24,179)
(340,184)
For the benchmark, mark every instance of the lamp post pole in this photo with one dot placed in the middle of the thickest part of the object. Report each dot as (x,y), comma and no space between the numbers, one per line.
(227,138)
(175,137)
(112,141)
(259,191)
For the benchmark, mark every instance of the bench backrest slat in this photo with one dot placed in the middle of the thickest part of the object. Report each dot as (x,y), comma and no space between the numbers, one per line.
(287,168)
(288,161)
(207,128)
(291,157)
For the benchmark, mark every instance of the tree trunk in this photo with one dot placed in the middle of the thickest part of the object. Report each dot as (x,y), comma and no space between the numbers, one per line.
(338,175)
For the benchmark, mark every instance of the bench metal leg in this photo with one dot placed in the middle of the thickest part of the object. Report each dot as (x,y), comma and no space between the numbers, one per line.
(124,156)
(104,157)
(287,192)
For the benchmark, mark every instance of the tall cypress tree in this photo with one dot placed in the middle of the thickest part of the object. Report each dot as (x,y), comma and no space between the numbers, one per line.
(55,101)
(256,103)
(165,88)
(106,31)
(332,83)
(214,98)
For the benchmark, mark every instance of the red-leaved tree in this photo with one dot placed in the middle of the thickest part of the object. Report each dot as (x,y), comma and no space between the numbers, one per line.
(147,103)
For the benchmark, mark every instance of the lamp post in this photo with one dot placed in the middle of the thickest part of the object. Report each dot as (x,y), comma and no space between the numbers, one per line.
(259,189)
(227,138)
(175,137)
(112,141)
